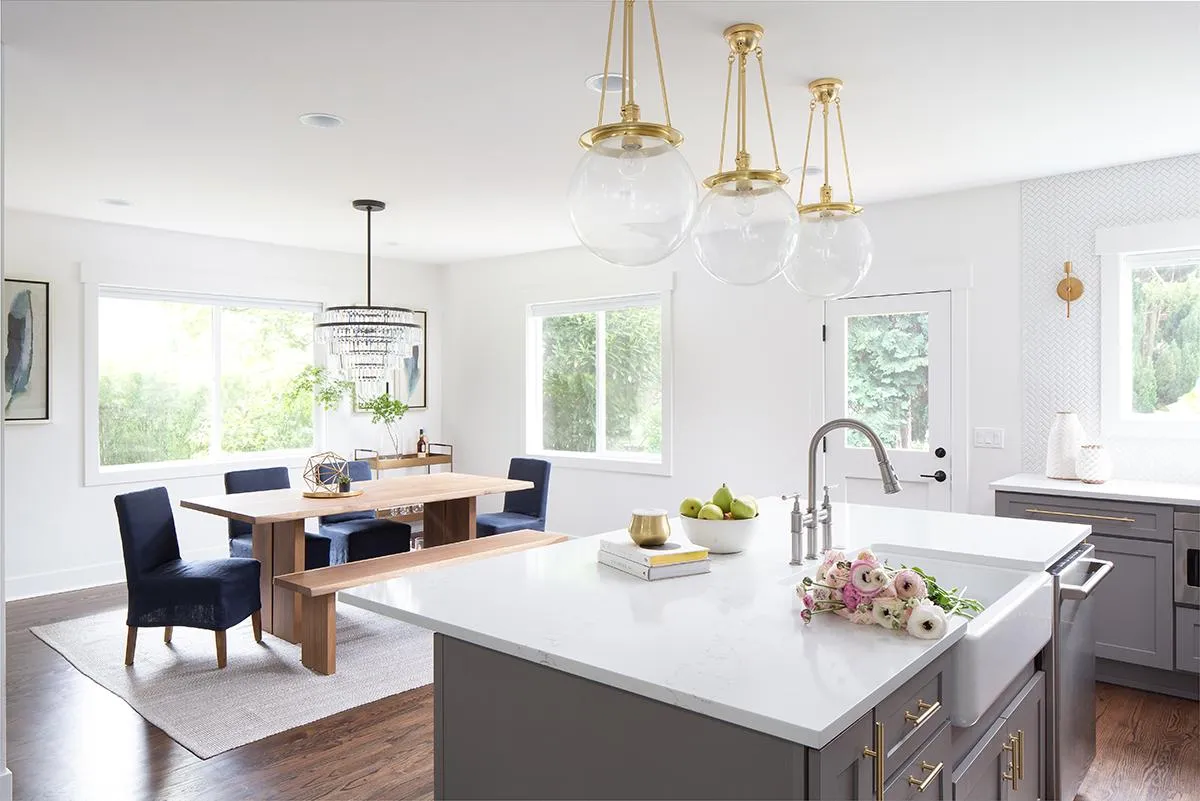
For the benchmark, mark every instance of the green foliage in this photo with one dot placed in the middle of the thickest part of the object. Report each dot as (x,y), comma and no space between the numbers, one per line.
(317,384)
(1166,335)
(569,383)
(146,419)
(387,410)
(887,377)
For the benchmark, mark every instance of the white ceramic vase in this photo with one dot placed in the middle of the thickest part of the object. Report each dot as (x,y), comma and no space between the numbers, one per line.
(1062,449)
(1094,465)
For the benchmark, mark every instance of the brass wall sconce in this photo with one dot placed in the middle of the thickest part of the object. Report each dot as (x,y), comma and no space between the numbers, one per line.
(1070,288)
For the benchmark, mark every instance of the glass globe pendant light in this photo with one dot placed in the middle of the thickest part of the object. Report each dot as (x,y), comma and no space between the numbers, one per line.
(365,343)
(835,249)
(632,199)
(745,229)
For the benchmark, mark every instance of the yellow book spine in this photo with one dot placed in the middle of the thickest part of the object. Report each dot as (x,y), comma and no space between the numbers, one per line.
(660,560)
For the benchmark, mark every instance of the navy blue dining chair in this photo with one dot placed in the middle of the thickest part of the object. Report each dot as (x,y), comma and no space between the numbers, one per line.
(355,536)
(166,591)
(524,508)
(317,549)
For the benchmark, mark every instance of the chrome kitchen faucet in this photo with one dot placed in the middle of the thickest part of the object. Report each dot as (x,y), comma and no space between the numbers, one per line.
(807,521)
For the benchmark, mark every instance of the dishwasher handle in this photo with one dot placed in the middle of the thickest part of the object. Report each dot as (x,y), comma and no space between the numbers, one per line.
(1077,592)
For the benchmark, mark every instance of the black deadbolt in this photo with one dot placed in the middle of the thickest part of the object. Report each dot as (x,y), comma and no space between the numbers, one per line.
(939,453)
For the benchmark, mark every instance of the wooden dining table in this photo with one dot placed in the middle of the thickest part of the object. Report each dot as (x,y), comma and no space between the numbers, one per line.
(276,518)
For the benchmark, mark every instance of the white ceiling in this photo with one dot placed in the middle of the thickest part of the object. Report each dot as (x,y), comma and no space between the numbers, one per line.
(463,116)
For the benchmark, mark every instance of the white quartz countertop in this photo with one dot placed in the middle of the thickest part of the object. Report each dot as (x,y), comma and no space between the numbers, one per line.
(1117,489)
(729,644)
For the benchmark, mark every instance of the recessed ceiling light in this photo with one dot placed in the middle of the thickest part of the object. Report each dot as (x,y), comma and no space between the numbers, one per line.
(318,119)
(795,171)
(115,201)
(392,243)
(605,83)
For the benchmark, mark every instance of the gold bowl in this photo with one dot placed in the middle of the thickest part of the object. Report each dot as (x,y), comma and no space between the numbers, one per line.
(649,527)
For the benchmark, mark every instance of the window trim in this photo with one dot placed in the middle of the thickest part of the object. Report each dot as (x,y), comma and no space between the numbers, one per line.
(1120,249)
(605,461)
(97,475)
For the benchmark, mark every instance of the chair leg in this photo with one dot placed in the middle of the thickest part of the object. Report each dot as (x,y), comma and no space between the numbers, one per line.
(167,634)
(220,649)
(130,644)
(256,622)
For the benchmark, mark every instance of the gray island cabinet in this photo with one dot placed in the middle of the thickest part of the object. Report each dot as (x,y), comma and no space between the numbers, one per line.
(506,727)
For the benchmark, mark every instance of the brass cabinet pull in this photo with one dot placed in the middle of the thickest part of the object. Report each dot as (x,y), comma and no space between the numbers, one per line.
(1081,515)
(921,785)
(1020,756)
(927,711)
(1015,746)
(877,754)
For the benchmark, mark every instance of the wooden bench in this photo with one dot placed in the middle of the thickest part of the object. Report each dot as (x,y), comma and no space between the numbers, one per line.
(318,588)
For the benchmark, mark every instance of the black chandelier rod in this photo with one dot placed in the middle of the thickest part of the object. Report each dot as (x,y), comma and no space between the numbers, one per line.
(369,210)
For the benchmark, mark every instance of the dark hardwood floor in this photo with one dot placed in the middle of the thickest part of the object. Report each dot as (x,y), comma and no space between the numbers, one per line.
(68,738)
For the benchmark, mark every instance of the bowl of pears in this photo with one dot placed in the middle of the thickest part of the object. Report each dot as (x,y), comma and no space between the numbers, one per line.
(724,524)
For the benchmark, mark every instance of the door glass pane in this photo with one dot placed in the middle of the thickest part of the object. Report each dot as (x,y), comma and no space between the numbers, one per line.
(1166,341)
(156,372)
(887,378)
(569,383)
(262,351)
(633,379)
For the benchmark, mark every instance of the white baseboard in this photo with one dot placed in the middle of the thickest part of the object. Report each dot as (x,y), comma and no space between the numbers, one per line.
(6,785)
(81,578)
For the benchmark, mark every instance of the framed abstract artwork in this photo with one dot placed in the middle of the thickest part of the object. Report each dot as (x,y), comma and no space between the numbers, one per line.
(26,350)
(408,381)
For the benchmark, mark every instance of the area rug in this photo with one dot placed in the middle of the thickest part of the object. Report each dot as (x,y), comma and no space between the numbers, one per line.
(263,689)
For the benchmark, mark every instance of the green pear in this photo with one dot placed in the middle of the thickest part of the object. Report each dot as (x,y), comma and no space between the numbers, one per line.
(690,507)
(744,507)
(723,498)
(710,511)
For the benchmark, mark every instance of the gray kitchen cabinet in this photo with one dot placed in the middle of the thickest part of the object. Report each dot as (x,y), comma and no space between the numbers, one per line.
(927,775)
(1110,518)
(1187,639)
(1134,615)
(844,768)
(1025,727)
(980,775)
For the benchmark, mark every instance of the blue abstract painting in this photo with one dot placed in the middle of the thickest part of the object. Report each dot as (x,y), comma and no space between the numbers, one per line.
(409,385)
(27,350)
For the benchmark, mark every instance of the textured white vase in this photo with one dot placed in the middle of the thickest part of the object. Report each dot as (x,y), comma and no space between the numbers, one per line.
(1093,465)
(1062,449)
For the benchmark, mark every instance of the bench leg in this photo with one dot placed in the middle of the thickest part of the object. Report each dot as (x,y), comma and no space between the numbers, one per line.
(318,646)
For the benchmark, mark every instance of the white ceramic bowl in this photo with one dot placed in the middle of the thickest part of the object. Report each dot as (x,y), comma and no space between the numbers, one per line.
(720,536)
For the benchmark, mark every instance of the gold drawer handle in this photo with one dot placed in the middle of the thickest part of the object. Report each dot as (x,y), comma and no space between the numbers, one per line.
(1016,765)
(1081,515)
(877,754)
(921,785)
(927,711)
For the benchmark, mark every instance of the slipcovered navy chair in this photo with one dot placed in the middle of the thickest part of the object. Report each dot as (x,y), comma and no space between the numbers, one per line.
(316,547)
(523,508)
(164,590)
(355,536)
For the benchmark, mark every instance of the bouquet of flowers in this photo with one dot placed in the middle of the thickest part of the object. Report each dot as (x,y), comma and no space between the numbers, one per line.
(863,590)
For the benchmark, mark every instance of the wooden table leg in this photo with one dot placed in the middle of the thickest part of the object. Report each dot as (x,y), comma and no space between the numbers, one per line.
(288,555)
(318,647)
(449,521)
(263,549)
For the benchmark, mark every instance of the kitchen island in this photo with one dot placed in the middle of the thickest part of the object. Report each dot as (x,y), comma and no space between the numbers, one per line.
(558,677)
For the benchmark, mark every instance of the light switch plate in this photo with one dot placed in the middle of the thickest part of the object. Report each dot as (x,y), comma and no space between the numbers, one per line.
(989,437)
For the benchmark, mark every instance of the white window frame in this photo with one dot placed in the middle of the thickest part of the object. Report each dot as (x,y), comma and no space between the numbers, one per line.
(95,474)
(1120,250)
(620,462)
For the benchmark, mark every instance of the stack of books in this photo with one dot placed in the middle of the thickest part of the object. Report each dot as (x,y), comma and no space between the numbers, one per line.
(669,560)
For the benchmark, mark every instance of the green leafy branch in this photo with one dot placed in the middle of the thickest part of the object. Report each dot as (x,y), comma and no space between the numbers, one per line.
(387,410)
(326,390)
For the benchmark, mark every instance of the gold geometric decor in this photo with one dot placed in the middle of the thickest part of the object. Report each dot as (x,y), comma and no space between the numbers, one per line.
(325,474)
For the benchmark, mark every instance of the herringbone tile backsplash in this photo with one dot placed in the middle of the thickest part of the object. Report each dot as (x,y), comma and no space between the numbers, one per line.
(1061,357)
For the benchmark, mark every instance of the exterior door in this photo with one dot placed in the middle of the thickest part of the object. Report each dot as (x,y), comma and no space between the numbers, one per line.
(887,363)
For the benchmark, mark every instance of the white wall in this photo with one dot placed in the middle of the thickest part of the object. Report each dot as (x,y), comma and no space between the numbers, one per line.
(60,534)
(1060,216)
(747,360)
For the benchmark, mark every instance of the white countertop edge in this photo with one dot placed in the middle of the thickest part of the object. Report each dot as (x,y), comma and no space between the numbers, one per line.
(791,732)
(993,561)
(1117,489)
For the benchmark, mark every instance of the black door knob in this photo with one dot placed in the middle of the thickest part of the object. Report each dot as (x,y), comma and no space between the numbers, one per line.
(939,476)
(939,453)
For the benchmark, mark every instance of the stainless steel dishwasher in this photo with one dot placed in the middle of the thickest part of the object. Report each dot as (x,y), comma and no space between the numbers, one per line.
(1070,664)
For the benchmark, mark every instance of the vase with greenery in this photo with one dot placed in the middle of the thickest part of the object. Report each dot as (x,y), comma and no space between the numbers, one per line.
(327,390)
(387,410)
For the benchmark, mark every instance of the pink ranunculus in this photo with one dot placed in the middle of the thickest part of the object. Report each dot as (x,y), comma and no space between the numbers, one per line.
(910,585)
(888,592)
(838,576)
(867,555)
(868,577)
(851,597)
(806,615)
(809,601)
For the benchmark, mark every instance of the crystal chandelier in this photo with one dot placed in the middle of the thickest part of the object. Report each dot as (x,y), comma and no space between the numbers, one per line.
(366,342)
(835,249)
(746,228)
(632,199)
